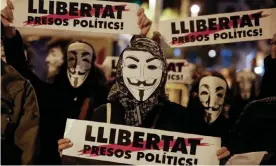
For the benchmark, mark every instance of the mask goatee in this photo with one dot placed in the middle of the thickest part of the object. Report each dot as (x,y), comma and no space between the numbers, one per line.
(141,94)
(76,82)
(208,118)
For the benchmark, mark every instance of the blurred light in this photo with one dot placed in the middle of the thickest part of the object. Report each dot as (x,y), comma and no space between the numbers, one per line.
(149,13)
(258,70)
(226,53)
(177,52)
(125,37)
(169,14)
(249,58)
(152,4)
(195,9)
(212,53)
(259,58)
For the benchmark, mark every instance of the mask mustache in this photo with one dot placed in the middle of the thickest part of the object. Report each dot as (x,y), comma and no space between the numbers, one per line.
(79,73)
(141,83)
(212,108)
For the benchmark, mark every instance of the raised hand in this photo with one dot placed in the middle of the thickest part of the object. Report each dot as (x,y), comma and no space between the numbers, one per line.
(7,19)
(143,22)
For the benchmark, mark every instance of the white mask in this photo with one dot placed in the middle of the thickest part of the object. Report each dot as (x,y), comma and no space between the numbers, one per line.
(245,80)
(212,92)
(54,60)
(79,61)
(142,73)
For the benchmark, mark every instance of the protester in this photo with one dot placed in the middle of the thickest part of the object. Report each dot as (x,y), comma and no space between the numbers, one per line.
(138,96)
(82,79)
(55,57)
(254,129)
(58,101)
(244,92)
(19,118)
(207,99)
(63,99)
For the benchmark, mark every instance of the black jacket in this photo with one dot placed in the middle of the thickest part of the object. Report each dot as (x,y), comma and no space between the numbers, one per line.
(166,116)
(237,107)
(219,128)
(268,83)
(56,101)
(255,129)
(93,89)
(19,118)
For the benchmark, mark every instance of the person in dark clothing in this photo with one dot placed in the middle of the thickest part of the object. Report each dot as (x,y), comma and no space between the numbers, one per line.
(19,118)
(87,115)
(80,79)
(66,97)
(206,104)
(55,57)
(253,130)
(62,99)
(244,92)
(138,98)
(255,123)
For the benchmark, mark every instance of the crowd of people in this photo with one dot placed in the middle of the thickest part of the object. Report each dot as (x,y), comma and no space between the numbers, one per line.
(34,112)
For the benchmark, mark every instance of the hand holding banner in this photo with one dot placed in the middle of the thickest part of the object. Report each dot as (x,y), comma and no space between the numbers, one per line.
(219,28)
(134,145)
(77,15)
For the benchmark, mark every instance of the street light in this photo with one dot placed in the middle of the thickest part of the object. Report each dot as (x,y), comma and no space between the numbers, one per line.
(195,9)
(212,53)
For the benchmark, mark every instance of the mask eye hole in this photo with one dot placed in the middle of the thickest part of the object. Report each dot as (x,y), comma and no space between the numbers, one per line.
(132,66)
(86,60)
(152,67)
(220,95)
(204,93)
(71,59)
